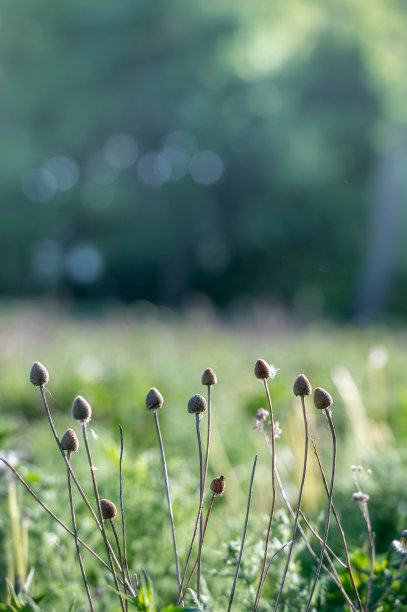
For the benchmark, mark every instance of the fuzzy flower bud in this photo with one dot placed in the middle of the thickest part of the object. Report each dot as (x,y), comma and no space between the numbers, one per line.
(218,485)
(154,399)
(322,399)
(209,377)
(262,369)
(39,374)
(197,404)
(81,409)
(69,441)
(302,386)
(108,508)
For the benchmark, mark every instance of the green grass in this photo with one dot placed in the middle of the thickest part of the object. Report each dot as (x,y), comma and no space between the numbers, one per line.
(114,358)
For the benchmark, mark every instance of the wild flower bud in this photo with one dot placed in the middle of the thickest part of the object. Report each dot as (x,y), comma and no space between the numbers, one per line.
(218,485)
(261,414)
(360,497)
(69,441)
(197,404)
(209,377)
(302,386)
(322,399)
(262,369)
(154,399)
(108,508)
(39,374)
(81,410)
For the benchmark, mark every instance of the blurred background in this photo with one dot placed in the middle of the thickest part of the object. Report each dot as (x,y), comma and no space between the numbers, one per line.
(194,184)
(226,152)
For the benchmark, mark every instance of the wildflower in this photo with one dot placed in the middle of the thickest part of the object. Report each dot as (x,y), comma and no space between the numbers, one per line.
(39,374)
(69,441)
(197,404)
(108,508)
(261,416)
(264,370)
(360,497)
(401,545)
(154,399)
(81,409)
(302,386)
(209,377)
(322,399)
(218,485)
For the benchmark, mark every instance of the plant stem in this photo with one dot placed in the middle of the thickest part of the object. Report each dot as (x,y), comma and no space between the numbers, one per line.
(232,593)
(78,552)
(119,550)
(333,575)
(167,491)
(196,561)
(273,502)
(372,553)
(37,499)
(97,498)
(122,506)
(198,434)
(328,517)
(304,470)
(338,522)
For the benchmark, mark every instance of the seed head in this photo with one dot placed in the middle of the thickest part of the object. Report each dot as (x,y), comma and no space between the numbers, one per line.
(81,409)
(197,404)
(209,377)
(69,441)
(360,497)
(218,485)
(108,508)
(154,399)
(39,374)
(302,386)
(262,369)
(322,399)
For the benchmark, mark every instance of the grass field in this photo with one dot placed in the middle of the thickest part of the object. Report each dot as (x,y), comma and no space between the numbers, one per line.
(112,358)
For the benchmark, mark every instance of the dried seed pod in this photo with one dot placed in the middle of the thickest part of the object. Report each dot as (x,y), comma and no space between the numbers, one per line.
(218,485)
(197,404)
(262,369)
(108,508)
(302,386)
(209,377)
(322,399)
(81,409)
(69,441)
(154,399)
(39,374)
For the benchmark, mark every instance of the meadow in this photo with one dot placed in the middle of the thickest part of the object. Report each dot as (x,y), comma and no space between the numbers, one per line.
(112,358)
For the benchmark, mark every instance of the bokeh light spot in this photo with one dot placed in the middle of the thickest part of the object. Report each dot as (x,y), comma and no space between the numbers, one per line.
(39,185)
(121,151)
(84,263)
(206,167)
(154,169)
(64,170)
(100,171)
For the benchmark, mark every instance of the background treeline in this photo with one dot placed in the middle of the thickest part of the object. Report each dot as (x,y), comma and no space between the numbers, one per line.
(236,150)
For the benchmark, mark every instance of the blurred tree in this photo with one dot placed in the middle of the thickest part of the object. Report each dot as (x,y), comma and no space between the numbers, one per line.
(153,151)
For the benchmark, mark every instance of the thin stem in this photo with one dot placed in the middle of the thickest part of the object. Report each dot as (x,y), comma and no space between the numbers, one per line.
(304,470)
(273,502)
(333,575)
(97,498)
(121,504)
(249,499)
(389,588)
(338,522)
(272,559)
(85,499)
(119,550)
(167,491)
(372,553)
(198,434)
(78,552)
(205,473)
(328,517)
(203,536)
(37,499)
